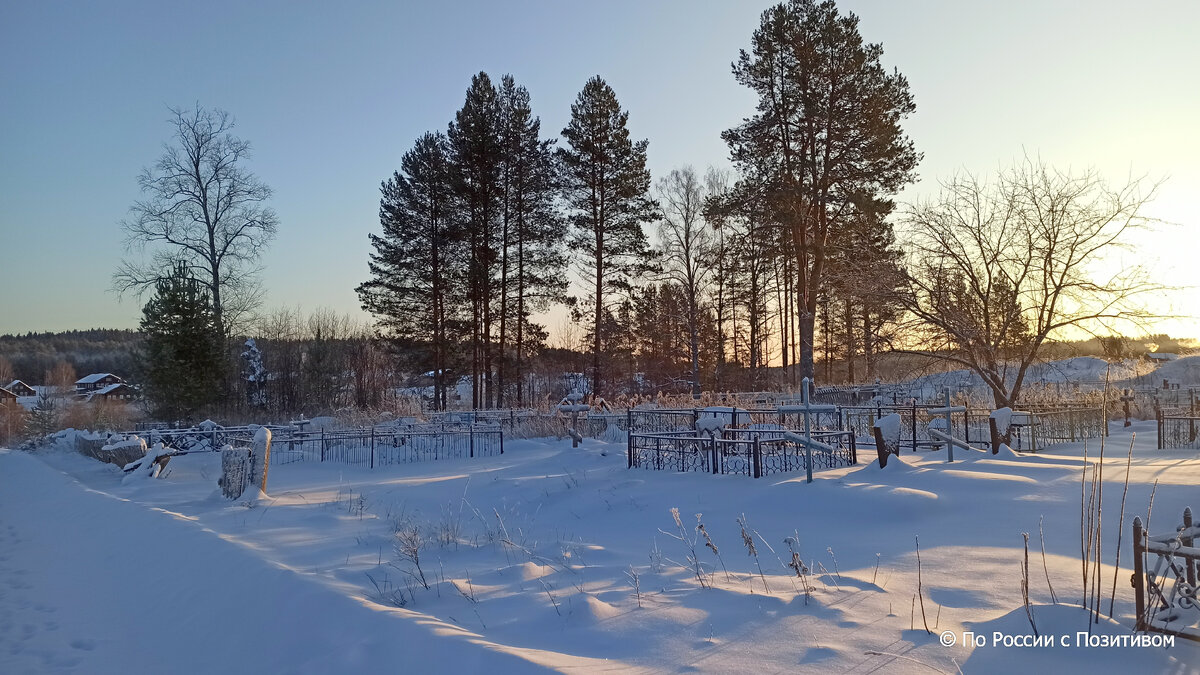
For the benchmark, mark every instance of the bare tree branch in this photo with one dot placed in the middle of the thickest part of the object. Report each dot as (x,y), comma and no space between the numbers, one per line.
(203,209)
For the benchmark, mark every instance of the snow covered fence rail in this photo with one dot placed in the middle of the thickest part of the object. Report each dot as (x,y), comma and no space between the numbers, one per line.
(1166,590)
(749,452)
(381,446)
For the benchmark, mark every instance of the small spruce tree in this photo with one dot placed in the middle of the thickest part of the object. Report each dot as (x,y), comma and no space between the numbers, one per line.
(182,350)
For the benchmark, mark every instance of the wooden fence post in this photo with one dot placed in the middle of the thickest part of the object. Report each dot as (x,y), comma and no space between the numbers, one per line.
(372,447)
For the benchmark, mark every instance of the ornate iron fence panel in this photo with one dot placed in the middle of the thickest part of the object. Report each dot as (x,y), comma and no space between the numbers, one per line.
(1166,589)
(671,451)
(660,421)
(1067,425)
(1176,432)
(915,423)
(747,452)
(383,447)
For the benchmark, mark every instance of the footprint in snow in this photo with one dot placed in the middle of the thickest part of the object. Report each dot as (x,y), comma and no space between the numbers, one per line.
(84,644)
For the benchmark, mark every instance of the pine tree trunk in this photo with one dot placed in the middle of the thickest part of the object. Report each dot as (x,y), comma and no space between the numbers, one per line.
(596,342)
(868,339)
(850,341)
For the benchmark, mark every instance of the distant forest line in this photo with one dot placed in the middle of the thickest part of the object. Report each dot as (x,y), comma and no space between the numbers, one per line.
(114,350)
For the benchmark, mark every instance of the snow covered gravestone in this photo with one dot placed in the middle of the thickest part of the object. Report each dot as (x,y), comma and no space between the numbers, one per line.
(887,437)
(242,469)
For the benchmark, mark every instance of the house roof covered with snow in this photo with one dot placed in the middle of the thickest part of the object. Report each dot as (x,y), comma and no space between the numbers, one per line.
(93,378)
(113,387)
(20,388)
(1162,356)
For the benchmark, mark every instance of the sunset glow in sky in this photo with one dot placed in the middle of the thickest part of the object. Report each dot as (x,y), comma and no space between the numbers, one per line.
(331,96)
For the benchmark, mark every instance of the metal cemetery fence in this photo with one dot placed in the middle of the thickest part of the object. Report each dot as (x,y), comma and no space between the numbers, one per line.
(664,420)
(378,446)
(385,446)
(1057,424)
(1045,425)
(915,420)
(1165,590)
(1178,431)
(749,452)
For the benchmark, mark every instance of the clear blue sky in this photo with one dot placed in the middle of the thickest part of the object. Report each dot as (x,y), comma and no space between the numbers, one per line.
(332,94)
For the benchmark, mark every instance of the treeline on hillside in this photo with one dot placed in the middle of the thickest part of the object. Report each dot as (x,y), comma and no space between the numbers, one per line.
(99,350)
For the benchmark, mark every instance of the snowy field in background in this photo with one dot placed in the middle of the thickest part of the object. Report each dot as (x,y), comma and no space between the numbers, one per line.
(531,560)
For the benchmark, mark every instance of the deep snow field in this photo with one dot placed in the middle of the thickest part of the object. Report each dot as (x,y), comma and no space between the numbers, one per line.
(531,560)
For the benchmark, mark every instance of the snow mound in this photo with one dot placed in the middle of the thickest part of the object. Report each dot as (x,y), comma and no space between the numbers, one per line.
(594,609)
(896,464)
(1185,370)
(1006,452)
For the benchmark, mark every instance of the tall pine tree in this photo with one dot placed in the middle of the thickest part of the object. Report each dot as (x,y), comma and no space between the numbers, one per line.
(533,261)
(607,186)
(827,127)
(417,280)
(476,165)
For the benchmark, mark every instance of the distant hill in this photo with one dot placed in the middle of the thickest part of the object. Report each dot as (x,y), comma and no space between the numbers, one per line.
(96,350)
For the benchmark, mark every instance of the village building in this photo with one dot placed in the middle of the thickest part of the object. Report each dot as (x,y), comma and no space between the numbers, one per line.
(95,382)
(20,388)
(118,391)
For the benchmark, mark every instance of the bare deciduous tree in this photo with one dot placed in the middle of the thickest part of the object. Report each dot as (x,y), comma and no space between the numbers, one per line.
(687,249)
(6,371)
(203,208)
(998,269)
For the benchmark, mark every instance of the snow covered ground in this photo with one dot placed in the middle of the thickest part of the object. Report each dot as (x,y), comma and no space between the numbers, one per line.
(548,558)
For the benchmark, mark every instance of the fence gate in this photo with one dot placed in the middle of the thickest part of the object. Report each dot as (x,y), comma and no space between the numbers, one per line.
(1164,579)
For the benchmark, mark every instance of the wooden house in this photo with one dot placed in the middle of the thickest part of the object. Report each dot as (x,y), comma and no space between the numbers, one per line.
(20,388)
(7,397)
(95,382)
